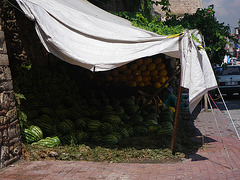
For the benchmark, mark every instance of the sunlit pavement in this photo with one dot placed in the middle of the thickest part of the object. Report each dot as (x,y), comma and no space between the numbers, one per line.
(210,162)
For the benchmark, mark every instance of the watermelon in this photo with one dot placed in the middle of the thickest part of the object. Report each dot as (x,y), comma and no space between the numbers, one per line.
(81,136)
(164,132)
(140,130)
(56,140)
(166,115)
(106,128)
(152,122)
(129,129)
(36,130)
(118,135)
(30,136)
(69,139)
(110,139)
(65,127)
(118,109)
(81,123)
(94,125)
(112,119)
(153,128)
(128,101)
(124,117)
(96,138)
(131,109)
(136,118)
(105,101)
(167,125)
(124,132)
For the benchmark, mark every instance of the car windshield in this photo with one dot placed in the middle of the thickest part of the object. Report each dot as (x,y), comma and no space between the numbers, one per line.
(231,70)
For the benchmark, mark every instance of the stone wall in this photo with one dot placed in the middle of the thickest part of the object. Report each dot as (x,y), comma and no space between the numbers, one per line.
(10,139)
(180,7)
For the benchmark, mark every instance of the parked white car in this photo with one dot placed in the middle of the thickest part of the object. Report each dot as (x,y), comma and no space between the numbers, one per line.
(229,79)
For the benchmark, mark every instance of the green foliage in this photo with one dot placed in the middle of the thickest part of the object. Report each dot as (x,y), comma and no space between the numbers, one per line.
(18,98)
(138,19)
(214,33)
(22,117)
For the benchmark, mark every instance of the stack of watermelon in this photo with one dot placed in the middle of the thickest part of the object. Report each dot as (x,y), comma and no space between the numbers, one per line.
(79,112)
(33,134)
(48,142)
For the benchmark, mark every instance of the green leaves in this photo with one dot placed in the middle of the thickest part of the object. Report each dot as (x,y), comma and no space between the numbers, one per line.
(215,33)
(138,19)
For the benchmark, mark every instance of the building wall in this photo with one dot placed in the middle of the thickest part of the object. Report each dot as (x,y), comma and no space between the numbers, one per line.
(180,7)
(10,140)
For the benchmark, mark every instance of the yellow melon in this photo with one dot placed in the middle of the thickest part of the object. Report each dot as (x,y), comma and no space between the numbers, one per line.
(133,67)
(163,73)
(132,84)
(154,72)
(172,109)
(166,78)
(115,72)
(145,73)
(116,79)
(166,85)
(157,60)
(161,66)
(161,80)
(142,67)
(147,61)
(157,85)
(109,78)
(130,78)
(155,78)
(123,78)
(148,83)
(136,72)
(127,72)
(139,62)
(145,79)
(141,84)
(138,78)
(122,68)
(151,67)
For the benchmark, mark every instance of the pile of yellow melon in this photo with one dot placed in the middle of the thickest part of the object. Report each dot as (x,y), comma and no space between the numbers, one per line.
(142,72)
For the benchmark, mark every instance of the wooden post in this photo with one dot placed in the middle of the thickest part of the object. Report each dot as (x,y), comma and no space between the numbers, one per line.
(176,118)
(206,102)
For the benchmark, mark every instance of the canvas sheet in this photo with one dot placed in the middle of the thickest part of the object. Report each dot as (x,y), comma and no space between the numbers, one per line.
(82,34)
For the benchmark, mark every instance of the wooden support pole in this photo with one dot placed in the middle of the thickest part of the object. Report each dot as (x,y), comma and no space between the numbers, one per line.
(176,118)
(206,102)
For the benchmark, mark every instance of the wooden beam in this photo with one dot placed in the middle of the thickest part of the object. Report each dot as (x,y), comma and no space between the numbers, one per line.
(206,102)
(176,118)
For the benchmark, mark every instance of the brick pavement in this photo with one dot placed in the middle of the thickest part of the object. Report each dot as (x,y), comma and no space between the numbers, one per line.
(210,162)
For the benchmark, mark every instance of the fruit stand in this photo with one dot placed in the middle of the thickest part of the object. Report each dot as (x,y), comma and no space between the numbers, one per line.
(115,93)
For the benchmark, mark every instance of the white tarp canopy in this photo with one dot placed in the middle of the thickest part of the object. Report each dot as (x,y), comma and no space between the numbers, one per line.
(82,34)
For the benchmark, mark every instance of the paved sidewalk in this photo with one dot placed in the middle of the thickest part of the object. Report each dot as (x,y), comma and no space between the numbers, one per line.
(210,162)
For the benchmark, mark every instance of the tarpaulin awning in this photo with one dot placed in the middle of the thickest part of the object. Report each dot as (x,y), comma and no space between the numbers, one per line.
(82,34)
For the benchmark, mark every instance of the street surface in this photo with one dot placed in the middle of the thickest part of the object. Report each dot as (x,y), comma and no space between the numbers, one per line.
(233,104)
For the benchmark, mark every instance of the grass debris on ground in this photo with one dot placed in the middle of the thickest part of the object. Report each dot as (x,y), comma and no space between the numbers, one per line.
(141,149)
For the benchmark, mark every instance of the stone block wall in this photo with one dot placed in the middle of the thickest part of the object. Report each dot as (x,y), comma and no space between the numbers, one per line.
(179,7)
(10,138)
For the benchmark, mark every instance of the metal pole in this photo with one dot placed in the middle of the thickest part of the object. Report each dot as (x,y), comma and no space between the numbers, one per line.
(176,119)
